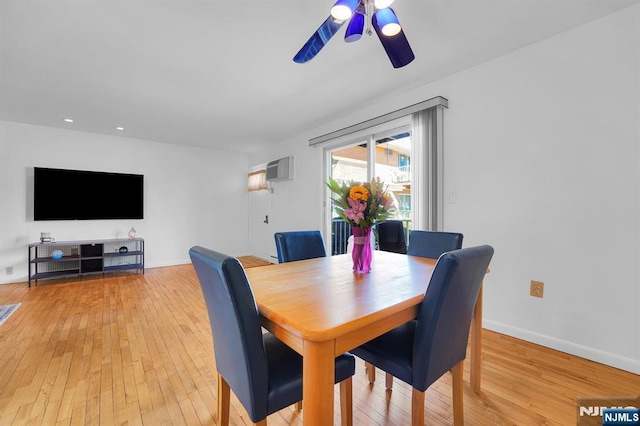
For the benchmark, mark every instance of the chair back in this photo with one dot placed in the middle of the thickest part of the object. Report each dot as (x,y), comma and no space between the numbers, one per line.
(391,236)
(442,327)
(299,245)
(432,244)
(235,324)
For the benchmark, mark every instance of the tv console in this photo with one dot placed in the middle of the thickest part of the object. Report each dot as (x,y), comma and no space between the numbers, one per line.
(84,257)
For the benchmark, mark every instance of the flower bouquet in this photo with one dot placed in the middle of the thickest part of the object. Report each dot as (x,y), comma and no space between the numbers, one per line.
(361,204)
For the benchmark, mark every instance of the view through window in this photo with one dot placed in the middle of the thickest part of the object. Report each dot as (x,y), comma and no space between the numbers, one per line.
(387,156)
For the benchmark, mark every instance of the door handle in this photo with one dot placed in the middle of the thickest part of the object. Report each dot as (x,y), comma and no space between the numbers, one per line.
(266,218)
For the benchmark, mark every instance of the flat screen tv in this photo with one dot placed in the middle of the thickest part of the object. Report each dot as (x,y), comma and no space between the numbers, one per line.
(60,194)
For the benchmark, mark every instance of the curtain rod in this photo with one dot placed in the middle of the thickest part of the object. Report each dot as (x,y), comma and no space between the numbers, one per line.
(420,106)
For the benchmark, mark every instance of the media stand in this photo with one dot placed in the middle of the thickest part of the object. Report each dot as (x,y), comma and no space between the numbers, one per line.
(85,257)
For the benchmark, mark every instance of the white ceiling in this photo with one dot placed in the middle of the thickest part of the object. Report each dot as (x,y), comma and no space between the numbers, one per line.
(220,73)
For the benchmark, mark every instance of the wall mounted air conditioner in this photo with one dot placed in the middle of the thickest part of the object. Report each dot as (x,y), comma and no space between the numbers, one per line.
(280,170)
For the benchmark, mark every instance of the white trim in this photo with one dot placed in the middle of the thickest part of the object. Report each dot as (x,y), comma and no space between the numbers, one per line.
(586,352)
(362,136)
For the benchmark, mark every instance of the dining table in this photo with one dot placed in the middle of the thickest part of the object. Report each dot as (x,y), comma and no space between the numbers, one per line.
(321,308)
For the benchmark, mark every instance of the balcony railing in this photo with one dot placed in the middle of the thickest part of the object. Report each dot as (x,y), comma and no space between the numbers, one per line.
(340,232)
(401,174)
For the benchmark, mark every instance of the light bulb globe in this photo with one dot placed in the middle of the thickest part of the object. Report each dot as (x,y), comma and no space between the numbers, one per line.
(388,22)
(382,4)
(343,9)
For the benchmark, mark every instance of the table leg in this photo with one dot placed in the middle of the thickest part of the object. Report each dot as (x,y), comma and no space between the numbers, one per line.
(318,373)
(476,344)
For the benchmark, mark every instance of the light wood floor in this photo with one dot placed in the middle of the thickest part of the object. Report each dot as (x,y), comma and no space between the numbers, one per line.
(136,349)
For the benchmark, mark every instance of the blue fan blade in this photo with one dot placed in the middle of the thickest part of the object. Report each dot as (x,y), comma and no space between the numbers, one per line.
(397,47)
(318,40)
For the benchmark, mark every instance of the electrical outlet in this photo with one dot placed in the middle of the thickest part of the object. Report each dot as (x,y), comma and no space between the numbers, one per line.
(9,270)
(537,289)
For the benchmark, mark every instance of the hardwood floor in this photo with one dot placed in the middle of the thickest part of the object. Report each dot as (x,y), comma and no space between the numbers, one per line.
(137,349)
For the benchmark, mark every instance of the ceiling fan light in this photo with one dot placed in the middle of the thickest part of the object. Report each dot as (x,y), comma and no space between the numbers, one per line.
(343,9)
(382,4)
(355,28)
(388,22)
(391,29)
(397,47)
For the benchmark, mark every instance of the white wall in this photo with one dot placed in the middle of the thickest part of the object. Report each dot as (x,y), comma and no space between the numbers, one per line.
(192,195)
(542,149)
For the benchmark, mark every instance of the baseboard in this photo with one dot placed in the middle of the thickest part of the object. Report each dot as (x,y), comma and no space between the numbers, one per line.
(607,358)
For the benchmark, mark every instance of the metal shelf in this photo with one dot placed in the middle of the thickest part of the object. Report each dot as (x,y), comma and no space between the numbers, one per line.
(85,257)
(123,267)
(56,274)
(129,253)
(71,258)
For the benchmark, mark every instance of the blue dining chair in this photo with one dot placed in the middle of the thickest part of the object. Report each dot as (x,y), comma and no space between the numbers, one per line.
(391,236)
(264,373)
(432,244)
(429,244)
(299,245)
(420,351)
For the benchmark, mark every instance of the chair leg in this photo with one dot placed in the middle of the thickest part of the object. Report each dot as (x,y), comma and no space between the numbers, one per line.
(417,408)
(262,422)
(371,372)
(299,406)
(224,397)
(346,402)
(389,381)
(458,405)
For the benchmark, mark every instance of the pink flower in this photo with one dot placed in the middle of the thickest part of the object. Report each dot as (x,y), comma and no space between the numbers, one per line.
(356,211)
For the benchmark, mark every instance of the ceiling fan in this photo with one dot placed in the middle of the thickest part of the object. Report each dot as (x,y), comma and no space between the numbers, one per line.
(376,14)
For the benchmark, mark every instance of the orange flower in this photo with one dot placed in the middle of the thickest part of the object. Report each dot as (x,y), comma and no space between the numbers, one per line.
(359,192)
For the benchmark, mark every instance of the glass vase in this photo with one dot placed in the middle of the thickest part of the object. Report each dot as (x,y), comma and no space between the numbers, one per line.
(361,253)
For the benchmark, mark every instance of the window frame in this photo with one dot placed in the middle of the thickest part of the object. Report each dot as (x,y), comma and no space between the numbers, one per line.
(426,123)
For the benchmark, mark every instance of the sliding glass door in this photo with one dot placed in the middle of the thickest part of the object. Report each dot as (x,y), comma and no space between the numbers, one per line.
(404,149)
(385,154)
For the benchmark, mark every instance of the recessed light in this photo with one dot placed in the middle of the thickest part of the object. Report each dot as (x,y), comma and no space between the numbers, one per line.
(119,128)
(68,120)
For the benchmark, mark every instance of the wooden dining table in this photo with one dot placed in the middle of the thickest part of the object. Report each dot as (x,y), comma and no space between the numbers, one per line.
(321,308)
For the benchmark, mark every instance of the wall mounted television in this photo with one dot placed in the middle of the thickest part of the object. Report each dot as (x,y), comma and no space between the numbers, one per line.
(60,194)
